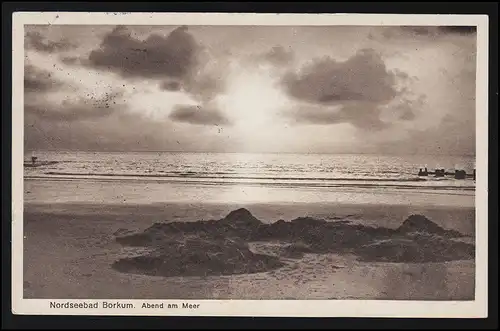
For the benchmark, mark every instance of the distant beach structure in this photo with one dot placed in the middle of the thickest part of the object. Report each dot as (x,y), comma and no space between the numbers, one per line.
(441,172)
(36,163)
(460,174)
(423,173)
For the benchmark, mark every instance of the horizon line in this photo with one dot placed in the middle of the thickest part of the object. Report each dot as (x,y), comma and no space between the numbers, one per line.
(244,152)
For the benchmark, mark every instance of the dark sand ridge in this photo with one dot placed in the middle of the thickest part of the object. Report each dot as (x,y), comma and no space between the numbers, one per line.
(220,247)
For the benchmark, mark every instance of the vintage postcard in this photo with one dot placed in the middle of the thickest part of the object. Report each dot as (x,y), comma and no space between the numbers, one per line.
(250,164)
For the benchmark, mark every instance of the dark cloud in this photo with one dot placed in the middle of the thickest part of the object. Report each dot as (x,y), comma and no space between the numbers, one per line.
(419,30)
(34,40)
(358,87)
(363,77)
(172,56)
(171,86)
(177,60)
(205,86)
(364,116)
(427,31)
(38,80)
(198,115)
(71,60)
(206,80)
(315,115)
(278,56)
(405,108)
(458,29)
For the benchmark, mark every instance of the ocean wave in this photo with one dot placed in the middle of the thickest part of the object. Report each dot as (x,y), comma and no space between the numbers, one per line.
(299,184)
(215,176)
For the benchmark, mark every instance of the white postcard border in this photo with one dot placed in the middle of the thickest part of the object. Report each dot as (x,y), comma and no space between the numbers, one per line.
(285,308)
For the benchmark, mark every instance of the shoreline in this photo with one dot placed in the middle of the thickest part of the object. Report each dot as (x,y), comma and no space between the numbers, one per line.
(138,193)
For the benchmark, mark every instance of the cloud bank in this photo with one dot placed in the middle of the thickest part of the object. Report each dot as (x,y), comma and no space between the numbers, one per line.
(166,88)
(38,80)
(34,40)
(198,115)
(356,88)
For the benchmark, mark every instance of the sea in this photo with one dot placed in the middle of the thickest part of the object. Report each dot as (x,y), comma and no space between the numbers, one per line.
(263,175)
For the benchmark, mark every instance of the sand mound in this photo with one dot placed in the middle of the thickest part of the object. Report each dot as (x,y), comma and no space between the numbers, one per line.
(308,221)
(167,231)
(419,223)
(241,218)
(197,257)
(295,250)
(220,247)
(239,223)
(419,249)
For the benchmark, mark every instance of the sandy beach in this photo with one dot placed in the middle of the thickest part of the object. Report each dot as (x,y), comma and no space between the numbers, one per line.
(69,248)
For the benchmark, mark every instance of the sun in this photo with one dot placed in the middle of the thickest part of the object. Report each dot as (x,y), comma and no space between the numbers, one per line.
(253,100)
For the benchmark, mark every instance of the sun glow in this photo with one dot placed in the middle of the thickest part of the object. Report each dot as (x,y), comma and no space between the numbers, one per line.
(253,102)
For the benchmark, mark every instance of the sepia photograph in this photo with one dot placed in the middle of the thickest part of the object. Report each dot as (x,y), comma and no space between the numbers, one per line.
(174,160)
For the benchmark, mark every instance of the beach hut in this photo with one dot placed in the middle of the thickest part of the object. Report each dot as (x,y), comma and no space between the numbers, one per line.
(460,174)
(439,173)
(423,173)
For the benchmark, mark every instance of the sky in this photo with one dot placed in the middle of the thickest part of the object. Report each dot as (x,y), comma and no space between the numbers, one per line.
(290,89)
